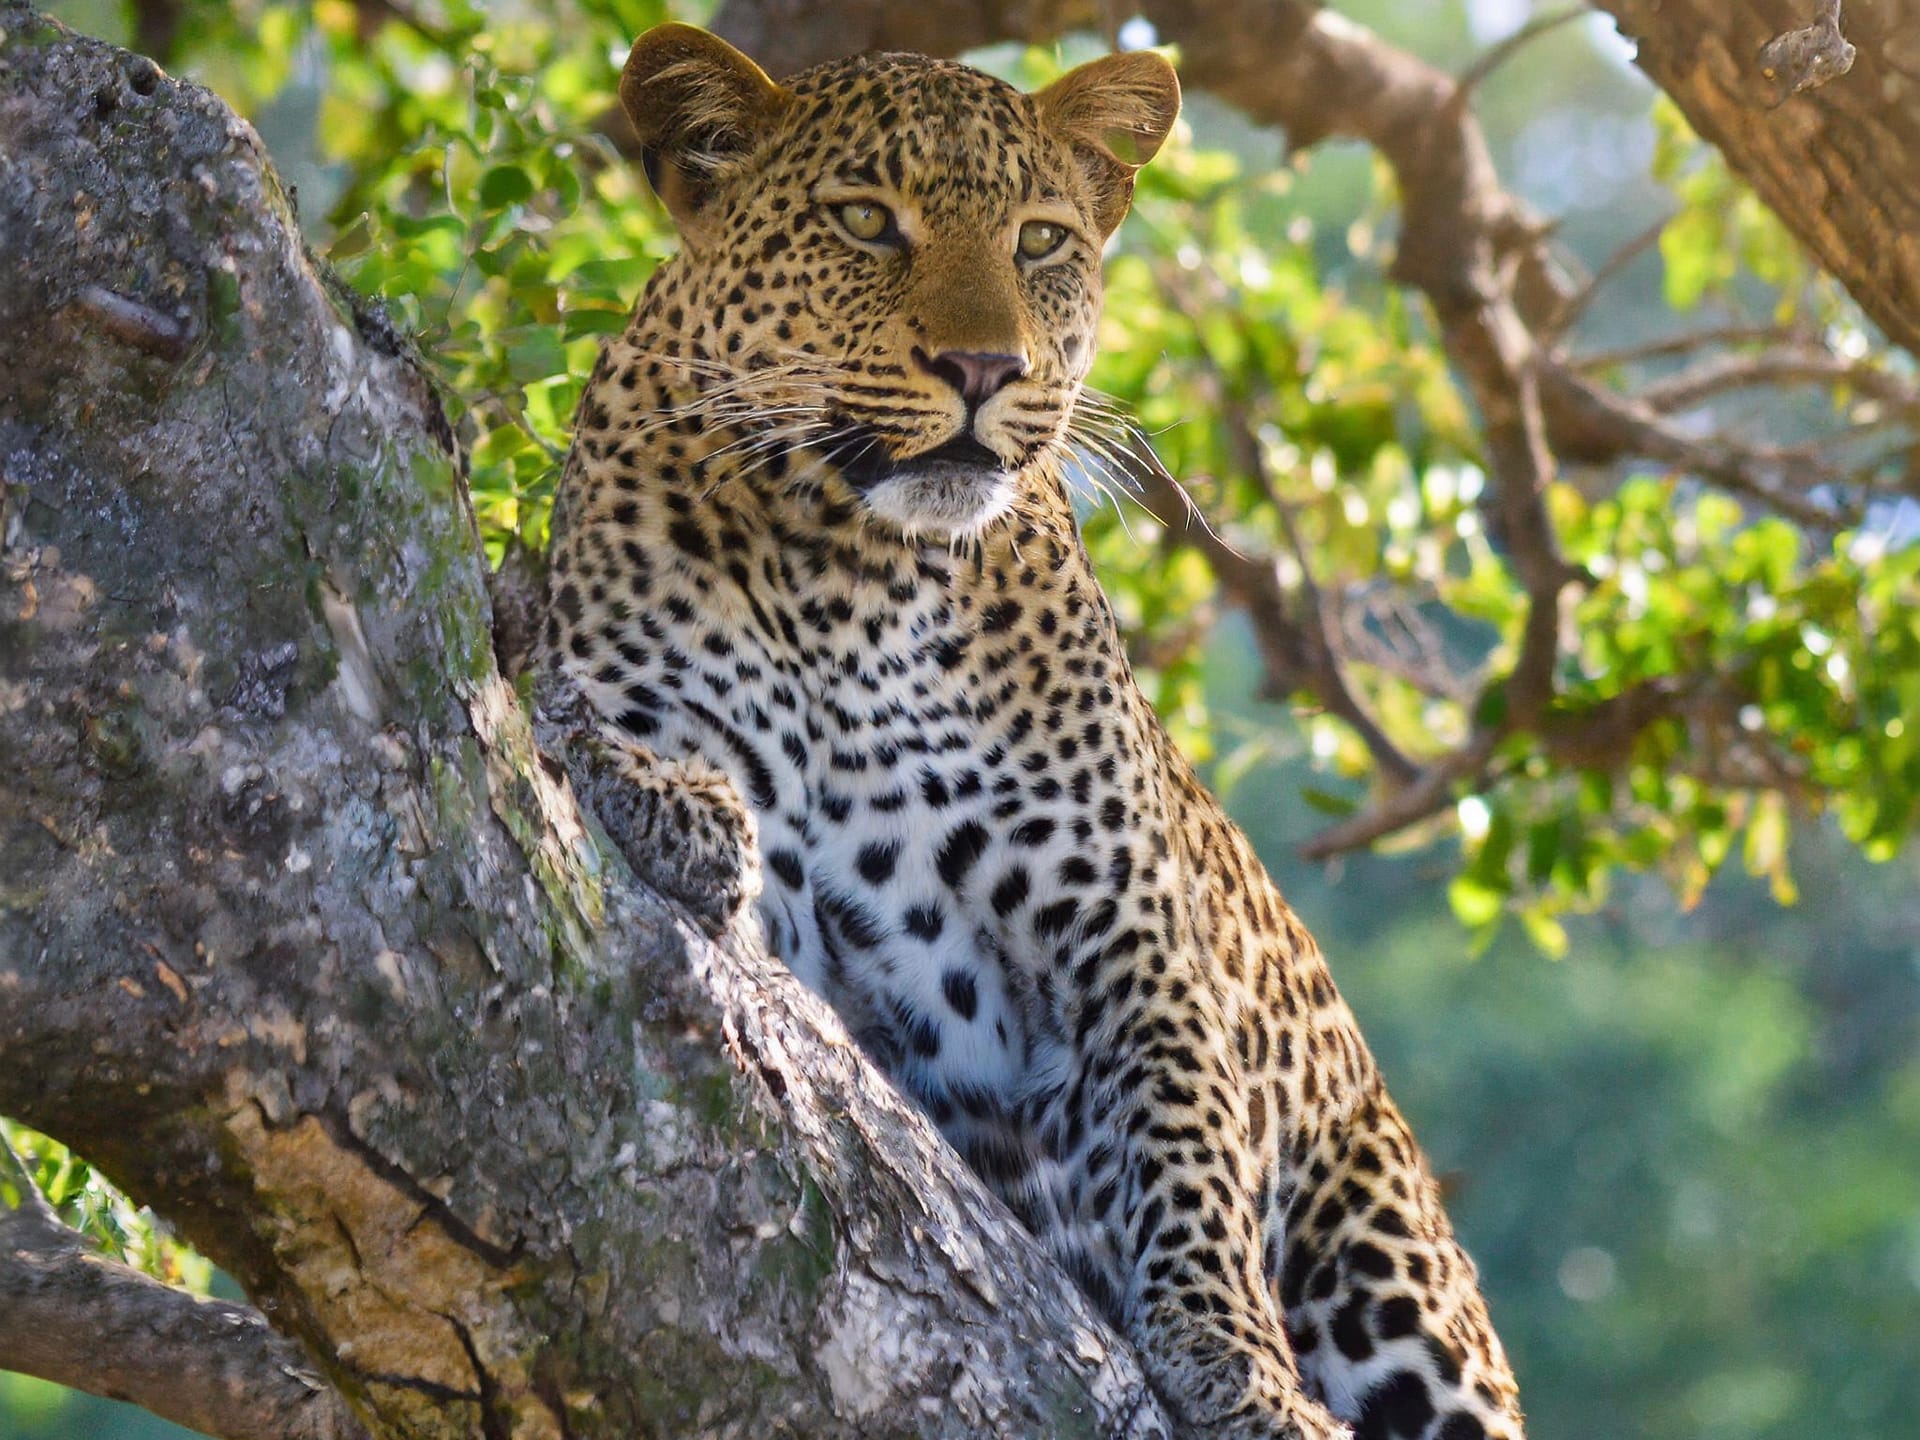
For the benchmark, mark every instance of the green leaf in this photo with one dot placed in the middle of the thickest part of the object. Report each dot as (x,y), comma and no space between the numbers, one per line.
(1327,802)
(536,356)
(411,227)
(505,185)
(594,320)
(1546,932)
(1691,246)
(1475,903)
(1543,849)
(1490,711)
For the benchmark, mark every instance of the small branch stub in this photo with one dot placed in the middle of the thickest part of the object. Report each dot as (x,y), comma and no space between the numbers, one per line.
(166,337)
(1806,58)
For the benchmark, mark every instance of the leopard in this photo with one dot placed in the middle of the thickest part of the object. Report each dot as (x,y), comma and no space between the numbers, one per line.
(816,569)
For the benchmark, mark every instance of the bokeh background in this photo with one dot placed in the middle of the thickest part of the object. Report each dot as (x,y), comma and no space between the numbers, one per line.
(1679,1120)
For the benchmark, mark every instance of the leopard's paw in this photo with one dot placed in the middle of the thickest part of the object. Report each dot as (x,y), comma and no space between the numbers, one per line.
(683,826)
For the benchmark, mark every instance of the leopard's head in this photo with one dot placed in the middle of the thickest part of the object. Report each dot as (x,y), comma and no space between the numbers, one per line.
(892,264)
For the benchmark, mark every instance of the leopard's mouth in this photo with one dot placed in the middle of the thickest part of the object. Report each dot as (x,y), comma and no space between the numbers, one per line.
(865,463)
(956,489)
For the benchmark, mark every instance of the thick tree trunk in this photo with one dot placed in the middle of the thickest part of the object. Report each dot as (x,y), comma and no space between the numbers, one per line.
(306,947)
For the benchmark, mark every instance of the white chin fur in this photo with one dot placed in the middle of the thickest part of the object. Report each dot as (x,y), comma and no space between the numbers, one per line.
(948,506)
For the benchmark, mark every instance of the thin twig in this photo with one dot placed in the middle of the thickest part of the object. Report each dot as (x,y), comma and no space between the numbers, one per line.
(1692,340)
(1575,305)
(1722,373)
(1417,658)
(1630,428)
(1430,792)
(1504,50)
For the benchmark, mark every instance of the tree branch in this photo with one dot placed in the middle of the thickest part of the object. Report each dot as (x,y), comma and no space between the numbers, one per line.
(1566,314)
(1836,163)
(1506,48)
(82,1320)
(1687,342)
(1721,373)
(1426,795)
(1613,426)
(789,35)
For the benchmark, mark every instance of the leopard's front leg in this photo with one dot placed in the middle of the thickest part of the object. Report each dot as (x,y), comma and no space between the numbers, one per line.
(1200,1312)
(1181,1201)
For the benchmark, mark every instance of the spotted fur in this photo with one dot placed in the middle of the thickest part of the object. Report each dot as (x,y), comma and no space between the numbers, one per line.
(813,537)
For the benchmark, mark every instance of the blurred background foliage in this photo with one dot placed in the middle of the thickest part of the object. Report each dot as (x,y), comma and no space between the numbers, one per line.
(1688,1158)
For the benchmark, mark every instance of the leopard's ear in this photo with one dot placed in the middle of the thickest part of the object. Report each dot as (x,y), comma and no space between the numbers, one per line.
(698,105)
(1115,112)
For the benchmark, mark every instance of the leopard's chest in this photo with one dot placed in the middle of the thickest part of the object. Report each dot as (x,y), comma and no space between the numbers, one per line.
(941,827)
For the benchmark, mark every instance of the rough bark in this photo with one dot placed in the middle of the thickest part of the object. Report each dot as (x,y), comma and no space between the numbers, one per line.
(306,948)
(1838,161)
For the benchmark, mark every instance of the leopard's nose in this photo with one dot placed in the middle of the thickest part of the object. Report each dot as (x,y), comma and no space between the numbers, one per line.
(978,375)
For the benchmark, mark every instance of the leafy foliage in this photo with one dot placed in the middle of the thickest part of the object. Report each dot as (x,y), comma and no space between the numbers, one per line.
(483,203)
(86,1200)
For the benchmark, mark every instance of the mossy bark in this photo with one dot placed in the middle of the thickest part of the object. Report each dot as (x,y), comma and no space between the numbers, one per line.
(305,945)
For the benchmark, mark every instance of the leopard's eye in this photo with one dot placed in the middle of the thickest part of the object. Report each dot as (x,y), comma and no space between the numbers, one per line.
(865,220)
(1040,238)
